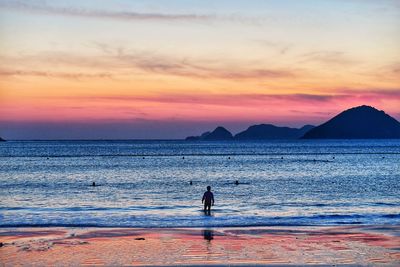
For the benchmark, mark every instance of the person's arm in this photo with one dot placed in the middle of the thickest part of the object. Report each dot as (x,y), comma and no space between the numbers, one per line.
(212,198)
(204,196)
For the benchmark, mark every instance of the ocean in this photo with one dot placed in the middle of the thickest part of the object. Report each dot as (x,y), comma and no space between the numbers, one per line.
(147,183)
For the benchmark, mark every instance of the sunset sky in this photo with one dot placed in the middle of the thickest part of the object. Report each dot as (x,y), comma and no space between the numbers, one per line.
(167,69)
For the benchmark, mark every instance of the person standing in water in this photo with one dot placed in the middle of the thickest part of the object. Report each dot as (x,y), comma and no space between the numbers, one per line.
(208,200)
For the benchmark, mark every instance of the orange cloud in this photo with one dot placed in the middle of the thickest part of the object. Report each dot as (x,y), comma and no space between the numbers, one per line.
(51,74)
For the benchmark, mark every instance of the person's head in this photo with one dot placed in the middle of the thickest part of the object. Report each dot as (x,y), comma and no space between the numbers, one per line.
(208,188)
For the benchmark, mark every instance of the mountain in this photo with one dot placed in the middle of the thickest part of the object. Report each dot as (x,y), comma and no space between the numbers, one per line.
(305,129)
(2,140)
(220,133)
(196,138)
(269,131)
(361,122)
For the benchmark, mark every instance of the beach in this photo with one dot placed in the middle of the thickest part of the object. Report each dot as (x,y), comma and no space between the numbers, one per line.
(336,245)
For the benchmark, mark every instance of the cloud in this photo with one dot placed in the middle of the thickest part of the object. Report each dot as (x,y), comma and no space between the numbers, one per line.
(254,100)
(395,68)
(391,93)
(217,99)
(390,70)
(279,47)
(328,57)
(122,62)
(187,67)
(44,8)
(47,74)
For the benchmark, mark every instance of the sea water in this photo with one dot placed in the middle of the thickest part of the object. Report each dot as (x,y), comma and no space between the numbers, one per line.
(147,183)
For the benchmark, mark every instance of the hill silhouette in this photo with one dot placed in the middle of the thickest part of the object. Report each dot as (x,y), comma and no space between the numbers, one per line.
(255,132)
(220,133)
(196,138)
(269,131)
(2,140)
(363,122)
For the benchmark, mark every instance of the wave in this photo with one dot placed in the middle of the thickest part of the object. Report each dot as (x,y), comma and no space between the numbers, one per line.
(202,155)
(49,156)
(90,208)
(202,221)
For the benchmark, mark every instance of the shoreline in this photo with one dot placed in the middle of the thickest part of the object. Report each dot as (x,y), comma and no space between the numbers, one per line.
(268,245)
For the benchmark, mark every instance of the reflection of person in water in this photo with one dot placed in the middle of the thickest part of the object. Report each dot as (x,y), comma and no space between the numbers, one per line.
(208,235)
(208,200)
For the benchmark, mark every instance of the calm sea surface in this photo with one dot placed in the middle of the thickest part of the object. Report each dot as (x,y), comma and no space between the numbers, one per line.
(146,183)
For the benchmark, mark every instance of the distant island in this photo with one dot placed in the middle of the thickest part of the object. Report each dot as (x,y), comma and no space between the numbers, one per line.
(363,122)
(2,140)
(220,133)
(269,131)
(255,132)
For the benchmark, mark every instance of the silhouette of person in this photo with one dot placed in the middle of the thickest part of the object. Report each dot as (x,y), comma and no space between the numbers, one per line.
(236,182)
(93,184)
(208,200)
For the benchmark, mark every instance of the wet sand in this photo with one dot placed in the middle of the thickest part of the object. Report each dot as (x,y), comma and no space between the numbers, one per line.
(351,245)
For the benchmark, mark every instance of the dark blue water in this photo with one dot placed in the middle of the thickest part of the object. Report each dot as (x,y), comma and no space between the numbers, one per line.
(146,183)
